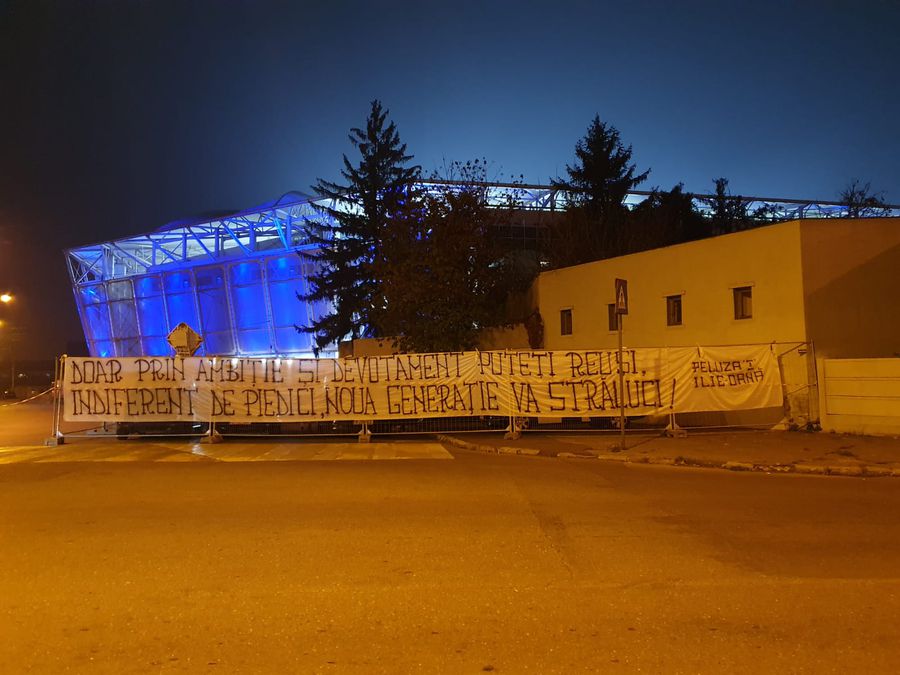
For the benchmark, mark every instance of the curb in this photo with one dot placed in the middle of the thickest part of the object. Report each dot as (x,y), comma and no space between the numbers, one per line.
(859,471)
(489,449)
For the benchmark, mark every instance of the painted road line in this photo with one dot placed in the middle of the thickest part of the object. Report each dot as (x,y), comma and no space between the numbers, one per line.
(124,451)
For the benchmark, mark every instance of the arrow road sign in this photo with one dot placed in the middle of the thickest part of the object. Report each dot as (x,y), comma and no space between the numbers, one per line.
(621,296)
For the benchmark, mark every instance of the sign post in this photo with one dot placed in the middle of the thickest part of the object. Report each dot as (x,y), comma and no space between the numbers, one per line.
(184,340)
(621,311)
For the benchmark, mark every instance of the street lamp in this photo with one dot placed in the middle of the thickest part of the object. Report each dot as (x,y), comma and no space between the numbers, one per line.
(7,298)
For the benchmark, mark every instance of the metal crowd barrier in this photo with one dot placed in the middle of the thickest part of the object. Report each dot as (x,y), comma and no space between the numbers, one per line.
(796,362)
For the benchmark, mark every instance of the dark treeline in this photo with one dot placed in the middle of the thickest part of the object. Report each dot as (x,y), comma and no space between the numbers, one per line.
(430,268)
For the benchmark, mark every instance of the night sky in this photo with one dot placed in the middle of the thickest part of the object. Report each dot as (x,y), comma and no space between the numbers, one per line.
(120,116)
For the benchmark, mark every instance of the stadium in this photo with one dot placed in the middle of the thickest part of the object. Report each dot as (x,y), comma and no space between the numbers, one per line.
(235,278)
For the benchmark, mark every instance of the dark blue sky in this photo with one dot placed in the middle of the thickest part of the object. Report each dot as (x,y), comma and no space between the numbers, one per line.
(119,116)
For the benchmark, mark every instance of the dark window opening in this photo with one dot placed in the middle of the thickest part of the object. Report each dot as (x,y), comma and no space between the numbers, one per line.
(673,310)
(743,302)
(565,322)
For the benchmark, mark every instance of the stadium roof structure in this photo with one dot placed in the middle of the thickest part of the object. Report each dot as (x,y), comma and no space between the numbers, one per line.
(235,277)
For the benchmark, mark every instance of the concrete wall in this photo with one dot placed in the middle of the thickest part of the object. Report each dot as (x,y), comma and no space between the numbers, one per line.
(366,347)
(514,337)
(851,276)
(704,273)
(860,396)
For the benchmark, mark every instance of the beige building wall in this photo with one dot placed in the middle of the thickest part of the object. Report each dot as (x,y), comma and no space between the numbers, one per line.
(514,337)
(704,273)
(851,275)
(366,347)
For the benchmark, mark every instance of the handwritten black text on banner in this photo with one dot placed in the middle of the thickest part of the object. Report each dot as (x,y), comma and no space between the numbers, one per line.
(540,383)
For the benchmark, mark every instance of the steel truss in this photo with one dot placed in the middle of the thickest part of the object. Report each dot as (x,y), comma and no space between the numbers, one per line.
(279,226)
(241,269)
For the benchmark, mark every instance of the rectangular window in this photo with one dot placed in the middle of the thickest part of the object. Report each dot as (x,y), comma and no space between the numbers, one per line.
(613,317)
(673,310)
(565,322)
(743,302)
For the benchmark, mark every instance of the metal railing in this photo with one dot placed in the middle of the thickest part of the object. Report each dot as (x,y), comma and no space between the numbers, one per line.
(796,362)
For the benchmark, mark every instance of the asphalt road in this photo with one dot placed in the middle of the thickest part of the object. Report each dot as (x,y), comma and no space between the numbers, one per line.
(477,564)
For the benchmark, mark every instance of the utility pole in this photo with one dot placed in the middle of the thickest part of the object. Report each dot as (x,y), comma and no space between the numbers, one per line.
(621,311)
(7,298)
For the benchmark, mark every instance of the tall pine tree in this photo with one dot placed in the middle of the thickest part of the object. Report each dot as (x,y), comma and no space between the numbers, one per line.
(348,241)
(602,174)
(596,219)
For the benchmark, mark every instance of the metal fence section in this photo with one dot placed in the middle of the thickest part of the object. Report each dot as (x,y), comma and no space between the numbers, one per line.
(119,430)
(800,409)
(216,429)
(797,365)
(642,424)
(362,430)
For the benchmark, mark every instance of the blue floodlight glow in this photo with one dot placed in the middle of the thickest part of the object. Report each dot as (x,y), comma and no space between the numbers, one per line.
(243,307)
(236,279)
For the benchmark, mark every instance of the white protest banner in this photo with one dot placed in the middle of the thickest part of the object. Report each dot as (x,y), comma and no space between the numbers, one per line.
(725,378)
(451,384)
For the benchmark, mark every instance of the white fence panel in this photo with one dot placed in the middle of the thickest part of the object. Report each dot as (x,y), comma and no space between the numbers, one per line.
(861,396)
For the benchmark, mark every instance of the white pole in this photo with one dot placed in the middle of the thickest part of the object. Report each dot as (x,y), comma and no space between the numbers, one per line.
(620,321)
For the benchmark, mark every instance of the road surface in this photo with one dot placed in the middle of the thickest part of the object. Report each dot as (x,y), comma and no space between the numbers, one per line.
(477,563)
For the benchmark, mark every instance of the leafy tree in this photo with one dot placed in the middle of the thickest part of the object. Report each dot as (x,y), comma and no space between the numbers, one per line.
(446,273)
(575,237)
(348,239)
(665,218)
(766,214)
(595,223)
(728,213)
(861,202)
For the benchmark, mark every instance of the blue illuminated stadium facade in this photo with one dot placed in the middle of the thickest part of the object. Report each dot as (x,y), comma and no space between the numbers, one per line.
(235,278)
